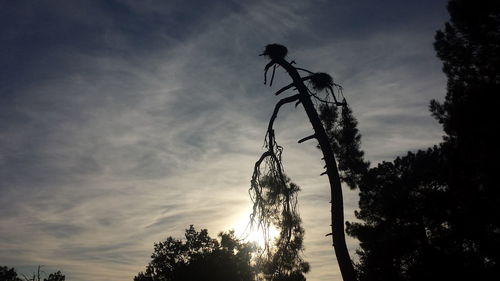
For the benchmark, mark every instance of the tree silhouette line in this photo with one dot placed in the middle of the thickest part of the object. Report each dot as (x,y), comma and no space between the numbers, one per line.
(10,274)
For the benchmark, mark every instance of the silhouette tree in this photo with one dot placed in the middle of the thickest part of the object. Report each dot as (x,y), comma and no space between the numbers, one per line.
(319,94)
(199,257)
(404,206)
(8,274)
(345,140)
(469,47)
(435,215)
(56,276)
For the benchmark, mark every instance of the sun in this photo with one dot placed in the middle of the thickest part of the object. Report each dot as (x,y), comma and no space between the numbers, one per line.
(248,233)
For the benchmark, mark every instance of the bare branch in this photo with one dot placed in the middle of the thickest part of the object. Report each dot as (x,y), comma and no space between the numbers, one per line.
(305,70)
(272,76)
(307,138)
(262,157)
(284,89)
(277,108)
(291,85)
(266,68)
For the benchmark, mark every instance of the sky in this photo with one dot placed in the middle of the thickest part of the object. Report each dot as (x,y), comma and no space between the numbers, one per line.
(123,122)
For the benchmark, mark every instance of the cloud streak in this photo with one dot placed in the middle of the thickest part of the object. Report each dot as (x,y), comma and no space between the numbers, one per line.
(122,122)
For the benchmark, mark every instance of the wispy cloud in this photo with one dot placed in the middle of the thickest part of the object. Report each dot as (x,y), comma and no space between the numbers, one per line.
(123,122)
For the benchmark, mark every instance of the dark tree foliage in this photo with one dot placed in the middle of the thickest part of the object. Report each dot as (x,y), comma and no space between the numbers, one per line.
(435,214)
(469,47)
(404,231)
(8,274)
(199,257)
(346,141)
(56,276)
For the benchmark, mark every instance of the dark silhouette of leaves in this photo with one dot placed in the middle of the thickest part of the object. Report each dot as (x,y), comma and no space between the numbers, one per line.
(8,274)
(435,214)
(345,140)
(56,276)
(199,257)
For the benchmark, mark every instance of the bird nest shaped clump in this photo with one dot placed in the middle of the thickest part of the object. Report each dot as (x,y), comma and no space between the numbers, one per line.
(275,51)
(321,81)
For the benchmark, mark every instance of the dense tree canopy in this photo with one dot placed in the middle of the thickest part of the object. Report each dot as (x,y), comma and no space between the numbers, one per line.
(56,276)
(342,130)
(435,214)
(200,257)
(8,274)
(403,209)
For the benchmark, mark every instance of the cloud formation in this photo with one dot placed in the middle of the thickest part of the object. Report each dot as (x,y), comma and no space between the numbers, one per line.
(122,122)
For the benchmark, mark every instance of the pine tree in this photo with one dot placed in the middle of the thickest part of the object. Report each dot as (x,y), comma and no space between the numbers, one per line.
(469,47)
(435,214)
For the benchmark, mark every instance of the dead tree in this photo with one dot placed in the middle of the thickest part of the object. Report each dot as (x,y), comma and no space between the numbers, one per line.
(271,158)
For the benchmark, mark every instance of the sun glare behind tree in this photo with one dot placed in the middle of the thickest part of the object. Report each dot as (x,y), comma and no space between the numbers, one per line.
(244,230)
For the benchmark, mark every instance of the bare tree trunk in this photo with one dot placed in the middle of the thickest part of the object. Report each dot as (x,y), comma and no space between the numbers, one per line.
(337,208)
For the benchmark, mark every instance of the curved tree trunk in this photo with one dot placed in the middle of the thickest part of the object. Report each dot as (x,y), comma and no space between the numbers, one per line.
(337,208)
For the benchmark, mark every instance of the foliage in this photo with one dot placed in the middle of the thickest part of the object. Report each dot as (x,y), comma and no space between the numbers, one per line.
(7,274)
(402,206)
(199,257)
(469,47)
(435,214)
(56,276)
(345,140)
